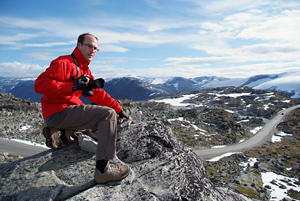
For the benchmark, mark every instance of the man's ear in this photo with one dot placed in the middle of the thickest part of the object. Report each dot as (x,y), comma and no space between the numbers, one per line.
(79,45)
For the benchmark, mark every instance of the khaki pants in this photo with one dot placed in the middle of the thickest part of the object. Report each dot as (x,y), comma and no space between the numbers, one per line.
(80,117)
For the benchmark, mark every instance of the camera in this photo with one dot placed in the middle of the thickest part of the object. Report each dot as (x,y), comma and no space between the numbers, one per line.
(93,84)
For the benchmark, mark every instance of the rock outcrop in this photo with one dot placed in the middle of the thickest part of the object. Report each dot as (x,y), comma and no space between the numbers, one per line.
(162,169)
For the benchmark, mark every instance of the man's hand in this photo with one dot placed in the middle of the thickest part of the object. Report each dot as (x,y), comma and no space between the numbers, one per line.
(123,114)
(80,82)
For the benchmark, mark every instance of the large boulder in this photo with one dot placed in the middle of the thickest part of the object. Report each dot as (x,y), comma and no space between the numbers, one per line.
(161,169)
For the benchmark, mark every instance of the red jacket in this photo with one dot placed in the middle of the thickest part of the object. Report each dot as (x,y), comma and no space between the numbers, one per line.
(56,86)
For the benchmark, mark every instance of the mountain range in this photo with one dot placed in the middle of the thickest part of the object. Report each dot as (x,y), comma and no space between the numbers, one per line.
(141,88)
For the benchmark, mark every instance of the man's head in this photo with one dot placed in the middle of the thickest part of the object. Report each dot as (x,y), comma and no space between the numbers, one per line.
(88,45)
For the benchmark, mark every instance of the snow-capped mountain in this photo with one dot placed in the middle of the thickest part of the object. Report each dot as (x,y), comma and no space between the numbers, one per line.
(139,88)
(288,83)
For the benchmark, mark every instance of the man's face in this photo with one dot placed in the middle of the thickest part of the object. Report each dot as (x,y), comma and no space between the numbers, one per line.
(88,48)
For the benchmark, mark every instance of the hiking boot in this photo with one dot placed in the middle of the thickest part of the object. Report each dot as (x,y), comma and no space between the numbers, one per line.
(111,173)
(52,136)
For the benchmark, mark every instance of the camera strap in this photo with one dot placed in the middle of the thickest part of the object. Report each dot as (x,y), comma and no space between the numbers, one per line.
(77,67)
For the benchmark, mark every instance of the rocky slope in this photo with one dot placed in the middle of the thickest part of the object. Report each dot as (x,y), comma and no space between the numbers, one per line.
(20,119)
(161,169)
(212,117)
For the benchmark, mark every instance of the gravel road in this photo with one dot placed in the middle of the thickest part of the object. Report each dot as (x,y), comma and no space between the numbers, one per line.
(257,140)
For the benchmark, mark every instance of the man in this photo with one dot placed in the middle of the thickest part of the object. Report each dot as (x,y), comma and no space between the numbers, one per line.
(62,84)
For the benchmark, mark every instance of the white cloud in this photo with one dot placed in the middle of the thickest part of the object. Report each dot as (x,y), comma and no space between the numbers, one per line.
(213,26)
(255,24)
(16,69)
(111,48)
(16,40)
(228,5)
(47,56)
(272,48)
(106,62)
(197,61)
(285,27)
(244,19)
(109,69)
(252,24)
(255,53)
(43,28)
(219,8)
(49,44)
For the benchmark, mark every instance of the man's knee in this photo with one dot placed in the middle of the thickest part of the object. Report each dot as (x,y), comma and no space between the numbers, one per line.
(111,114)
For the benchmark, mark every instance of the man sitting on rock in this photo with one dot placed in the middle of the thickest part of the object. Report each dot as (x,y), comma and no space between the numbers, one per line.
(62,84)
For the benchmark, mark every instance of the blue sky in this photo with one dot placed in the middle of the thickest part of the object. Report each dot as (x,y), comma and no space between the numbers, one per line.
(153,38)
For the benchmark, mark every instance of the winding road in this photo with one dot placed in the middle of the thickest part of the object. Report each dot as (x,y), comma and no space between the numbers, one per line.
(256,140)
(264,135)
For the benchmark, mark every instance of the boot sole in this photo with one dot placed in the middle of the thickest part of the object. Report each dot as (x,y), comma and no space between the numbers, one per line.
(52,140)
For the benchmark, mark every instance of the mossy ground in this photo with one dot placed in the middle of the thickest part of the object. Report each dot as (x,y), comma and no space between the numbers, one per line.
(280,157)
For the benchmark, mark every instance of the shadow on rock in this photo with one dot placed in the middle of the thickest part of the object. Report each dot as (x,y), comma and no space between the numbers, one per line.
(50,175)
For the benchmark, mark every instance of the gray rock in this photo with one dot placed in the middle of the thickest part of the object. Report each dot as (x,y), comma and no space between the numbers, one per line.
(162,169)
(87,143)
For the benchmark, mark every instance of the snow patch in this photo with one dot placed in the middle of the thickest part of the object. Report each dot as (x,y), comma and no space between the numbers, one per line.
(278,183)
(278,136)
(249,163)
(219,146)
(255,130)
(222,156)
(177,101)
(233,95)
(24,128)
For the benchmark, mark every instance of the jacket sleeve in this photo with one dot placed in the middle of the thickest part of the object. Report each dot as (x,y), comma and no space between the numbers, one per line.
(102,98)
(55,82)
